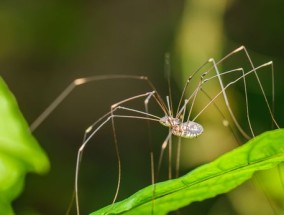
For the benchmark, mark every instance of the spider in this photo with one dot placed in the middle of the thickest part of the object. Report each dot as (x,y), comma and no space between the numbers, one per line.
(178,124)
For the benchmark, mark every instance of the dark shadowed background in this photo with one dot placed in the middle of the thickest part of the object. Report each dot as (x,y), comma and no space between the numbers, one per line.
(45,45)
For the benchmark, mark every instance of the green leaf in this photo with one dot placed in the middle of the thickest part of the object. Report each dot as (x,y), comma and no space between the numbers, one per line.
(19,150)
(220,176)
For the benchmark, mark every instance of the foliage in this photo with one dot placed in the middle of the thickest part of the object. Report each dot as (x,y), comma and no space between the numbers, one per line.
(19,150)
(220,176)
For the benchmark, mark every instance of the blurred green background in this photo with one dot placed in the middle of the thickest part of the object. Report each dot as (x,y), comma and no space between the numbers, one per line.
(47,44)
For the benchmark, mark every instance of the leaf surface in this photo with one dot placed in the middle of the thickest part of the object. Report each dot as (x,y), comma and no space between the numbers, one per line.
(19,150)
(219,176)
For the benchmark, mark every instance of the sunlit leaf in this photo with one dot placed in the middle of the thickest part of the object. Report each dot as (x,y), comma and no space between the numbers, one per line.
(19,150)
(207,181)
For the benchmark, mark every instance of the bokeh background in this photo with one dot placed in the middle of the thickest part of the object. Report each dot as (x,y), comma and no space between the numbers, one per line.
(45,45)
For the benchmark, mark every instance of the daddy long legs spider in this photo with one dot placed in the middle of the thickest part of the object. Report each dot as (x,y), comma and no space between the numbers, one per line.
(182,122)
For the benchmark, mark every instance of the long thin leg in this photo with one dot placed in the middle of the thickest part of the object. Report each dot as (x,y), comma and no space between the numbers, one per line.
(243,49)
(203,75)
(202,83)
(273,93)
(179,146)
(187,84)
(235,135)
(228,85)
(103,120)
(178,157)
(260,85)
(87,139)
(168,75)
(193,100)
(170,143)
(228,104)
(221,92)
(117,156)
(225,121)
(254,70)
(146,103)
(151,147)
(81,81)
(116,143)
(163,147)
(215,68)
(238,50)
(169,103)
(193,96)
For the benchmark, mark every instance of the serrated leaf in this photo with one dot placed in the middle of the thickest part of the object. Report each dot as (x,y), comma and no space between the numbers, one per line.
(19,150)
(220,176)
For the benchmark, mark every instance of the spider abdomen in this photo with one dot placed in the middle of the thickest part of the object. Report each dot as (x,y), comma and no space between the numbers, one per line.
(187,130)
